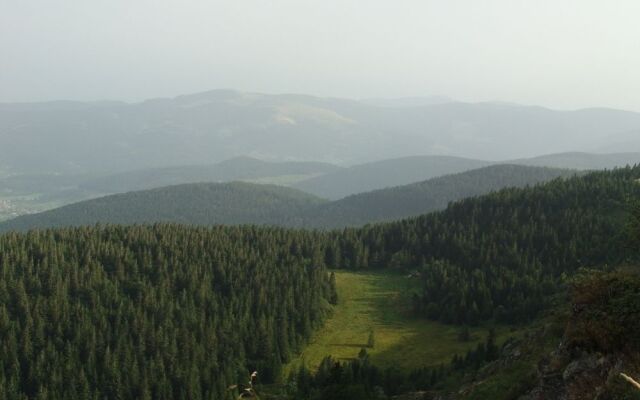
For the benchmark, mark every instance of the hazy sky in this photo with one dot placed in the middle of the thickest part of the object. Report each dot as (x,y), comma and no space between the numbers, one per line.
(557,53)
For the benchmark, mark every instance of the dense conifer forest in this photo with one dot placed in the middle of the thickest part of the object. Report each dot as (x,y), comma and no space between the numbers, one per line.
(500,256)
(161,312)
(202,204)
(174,312)
(398,202)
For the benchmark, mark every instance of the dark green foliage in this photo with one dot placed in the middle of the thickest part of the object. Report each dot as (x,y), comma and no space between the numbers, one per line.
(632,231)
(465,334)
(367,381)
(371,340)
(606,311)
(194,204)
(162,312)
(333,290)
(360,378)
(176,312)
(419,198)
(501,255)
(483,353)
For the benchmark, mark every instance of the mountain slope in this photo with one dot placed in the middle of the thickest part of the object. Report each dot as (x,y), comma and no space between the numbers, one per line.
(577,160)
(28,193)
(199,204)
(528,237)
(423,197)
(501,257)
(504,258)
(400,171)
(385,173)
(239,168)
(208,127)
(244,203)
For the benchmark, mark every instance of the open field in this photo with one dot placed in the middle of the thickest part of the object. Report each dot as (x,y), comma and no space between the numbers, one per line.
(380,302)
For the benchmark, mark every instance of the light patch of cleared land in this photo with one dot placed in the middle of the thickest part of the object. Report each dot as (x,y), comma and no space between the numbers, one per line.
(381,302)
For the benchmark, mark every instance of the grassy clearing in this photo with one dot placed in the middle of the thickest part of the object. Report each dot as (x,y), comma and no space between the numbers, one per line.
(380,302)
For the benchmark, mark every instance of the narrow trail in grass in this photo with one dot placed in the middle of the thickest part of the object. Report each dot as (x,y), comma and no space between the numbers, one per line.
(380,302)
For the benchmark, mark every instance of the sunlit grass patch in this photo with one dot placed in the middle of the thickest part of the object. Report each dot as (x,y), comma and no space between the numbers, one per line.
(381,302)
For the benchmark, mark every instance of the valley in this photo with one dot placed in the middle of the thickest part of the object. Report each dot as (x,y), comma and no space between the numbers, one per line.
(319,200)
(452,301)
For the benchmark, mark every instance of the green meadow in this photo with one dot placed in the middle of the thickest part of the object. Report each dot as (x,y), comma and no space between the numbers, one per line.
(380,302)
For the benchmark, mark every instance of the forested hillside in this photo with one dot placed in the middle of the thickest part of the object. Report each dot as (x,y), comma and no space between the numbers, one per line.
(407,170)
(162,312)
(509,257)
(35,192)
(244,203)
(501,255)
(29,193)
(495,256)
(175,312)
(423,197)
(192,204)
(383,174)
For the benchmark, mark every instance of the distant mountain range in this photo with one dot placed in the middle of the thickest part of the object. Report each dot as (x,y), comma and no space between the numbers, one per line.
(409,101)
(246,203)
(205,128)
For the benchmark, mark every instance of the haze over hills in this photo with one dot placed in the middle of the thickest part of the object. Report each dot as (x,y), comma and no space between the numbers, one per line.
(582,161)
(385,173)
(395,172)
(208,127)
(627,141)
(235,169)
(409,101)
(246,203)
(410,200)
(423,197)
(28,193)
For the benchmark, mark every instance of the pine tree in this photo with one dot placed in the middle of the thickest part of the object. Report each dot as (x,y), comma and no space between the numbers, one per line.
(333,290)
(371,341)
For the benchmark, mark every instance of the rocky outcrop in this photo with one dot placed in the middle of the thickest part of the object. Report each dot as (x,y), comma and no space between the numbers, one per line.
(600,342)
